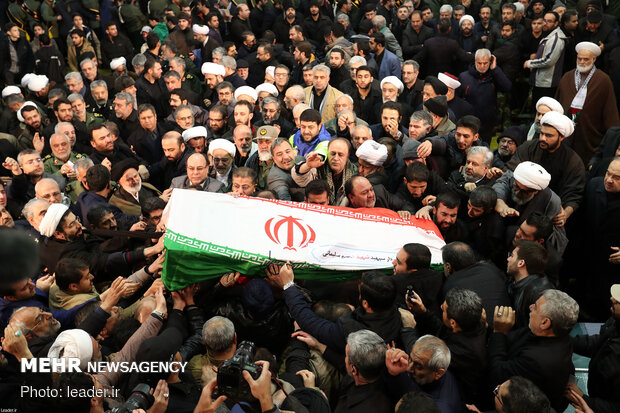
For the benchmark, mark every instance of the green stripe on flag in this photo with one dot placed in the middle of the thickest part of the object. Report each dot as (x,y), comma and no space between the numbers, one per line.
(189,260)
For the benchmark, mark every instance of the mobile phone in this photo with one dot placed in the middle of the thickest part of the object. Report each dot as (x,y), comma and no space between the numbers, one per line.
(410,294)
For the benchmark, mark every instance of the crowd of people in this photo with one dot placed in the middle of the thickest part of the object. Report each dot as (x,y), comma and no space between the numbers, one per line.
(496,120)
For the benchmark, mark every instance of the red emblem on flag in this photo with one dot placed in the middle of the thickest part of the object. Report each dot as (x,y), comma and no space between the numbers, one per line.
(297,234)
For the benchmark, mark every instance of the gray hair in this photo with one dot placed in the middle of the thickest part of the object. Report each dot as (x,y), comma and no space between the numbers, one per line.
(28,208)
(362,127)
(367,353)
(416,65)
(321,68)
(446,8)
(561,309)
(487,155)
(180,108)
(421,115)
(138,60)
(56,133)
(25,152)
(301,107)
(346,112)
(74,97)
(14,98)
(56,93)
(482,53)
(218,334)
(83,164)
(297,92)
(60,125)
(520,8)
(218,51)
(344,17)
(229,62)
(464,307)
(379,22)
(270,99)
(179,61)
(74,75)
(98,83)
(44,181)
(127,97)
(85,61)
(358,59)
(347,97)
(441,353)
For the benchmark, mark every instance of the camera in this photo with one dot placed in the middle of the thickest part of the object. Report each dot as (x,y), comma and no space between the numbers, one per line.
(140,398)
(410,293)
(230,381)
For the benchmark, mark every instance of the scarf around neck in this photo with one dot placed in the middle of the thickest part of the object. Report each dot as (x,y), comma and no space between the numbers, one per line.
(582,90)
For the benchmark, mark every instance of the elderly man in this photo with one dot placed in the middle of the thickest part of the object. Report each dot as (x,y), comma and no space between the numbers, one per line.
(279,179)
(481,83)
(77,186)
(561,162)
(125,114)
(132,192)
(242,137)
(459,107)
(33,211)
(507,144)
(337,170)
(544,353)
(62,159)
(48,190)
(587,94)
(425,369)
(196,138)
(371,156)
(79,111)
(197,167)
(339,125)
(271,114)
(261,161)
(97,101)
(222,155)
(294,96)
(473,174)
(362,194)
(321,96)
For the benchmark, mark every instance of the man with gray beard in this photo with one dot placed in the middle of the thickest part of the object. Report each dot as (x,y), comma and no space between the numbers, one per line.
(242,137)
(587,93)
(525,191)
(261,161)
(132,192)
(473,174)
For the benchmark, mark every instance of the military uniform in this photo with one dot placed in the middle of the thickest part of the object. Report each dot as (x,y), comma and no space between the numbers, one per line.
(52,165)
(191,82)
(49,17)
(94,119)
(73,190)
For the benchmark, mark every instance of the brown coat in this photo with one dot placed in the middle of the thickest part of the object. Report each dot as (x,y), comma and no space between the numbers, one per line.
(599,112)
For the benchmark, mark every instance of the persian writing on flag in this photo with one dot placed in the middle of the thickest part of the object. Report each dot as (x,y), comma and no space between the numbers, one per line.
(210,234)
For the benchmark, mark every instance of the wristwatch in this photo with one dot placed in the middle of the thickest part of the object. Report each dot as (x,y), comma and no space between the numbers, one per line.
(399,135)
(288,284)
(159,314)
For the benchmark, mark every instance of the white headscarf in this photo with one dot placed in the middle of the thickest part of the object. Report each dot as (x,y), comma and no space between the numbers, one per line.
(532,175)
(52,218)
(74,343)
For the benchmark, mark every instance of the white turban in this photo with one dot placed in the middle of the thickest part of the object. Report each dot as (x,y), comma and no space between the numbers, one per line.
(19,112)
(211,68)
(561,122)
(52,218)
(118,62)
(74,343)
(199,29)
(551,103)
(372,152)
(10,90)
(532,175)
(449,80)
(267,87)
(589,46)
(394,81)
(26,79)
(38,82)
(225,144)
(246,90)
(271,71)
(466,17)
(195,132)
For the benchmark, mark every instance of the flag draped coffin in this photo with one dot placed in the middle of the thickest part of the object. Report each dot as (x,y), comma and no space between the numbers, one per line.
(210,234)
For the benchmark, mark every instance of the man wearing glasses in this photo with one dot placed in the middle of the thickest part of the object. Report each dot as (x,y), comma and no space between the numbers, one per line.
(27,170)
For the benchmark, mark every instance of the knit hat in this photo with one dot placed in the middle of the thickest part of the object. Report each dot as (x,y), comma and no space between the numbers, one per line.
(514,133)
(410,149)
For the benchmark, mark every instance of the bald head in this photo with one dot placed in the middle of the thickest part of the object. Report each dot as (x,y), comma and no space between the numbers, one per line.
(48,189)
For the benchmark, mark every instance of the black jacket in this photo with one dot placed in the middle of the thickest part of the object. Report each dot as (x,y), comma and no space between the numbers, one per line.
(525,293)
(604,368)
(413,42)
(426,283)
(546,361)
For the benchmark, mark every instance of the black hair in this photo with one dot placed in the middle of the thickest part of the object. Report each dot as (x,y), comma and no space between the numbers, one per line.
(483,197)
(469,122)
(417,171)
(464,307)
(378,290)
(96,213)
(534,255)
(418,402)
(418,256)
(316,187)
(543,224)
(69,271)
(459,255)
(97,178)
(449,199)
(310,115)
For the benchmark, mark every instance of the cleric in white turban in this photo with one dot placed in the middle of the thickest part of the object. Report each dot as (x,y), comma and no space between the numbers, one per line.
(590,47)
(543,105)
(10,90)
(560,122)
(195,132)
(532,175)
(267,87)
(224,144)
(38,83)
(200,29)
(449,80)
(247,91)
(75,343)
(52,218)
(26,78)
(210,68)
(118,62)
(465,18)
(394,81)
(20,117)
(372,152)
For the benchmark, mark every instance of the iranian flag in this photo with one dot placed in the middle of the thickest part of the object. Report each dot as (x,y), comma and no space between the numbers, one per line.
(210,234)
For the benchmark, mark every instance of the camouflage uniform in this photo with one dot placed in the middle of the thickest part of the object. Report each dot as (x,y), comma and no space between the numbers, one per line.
(52,165)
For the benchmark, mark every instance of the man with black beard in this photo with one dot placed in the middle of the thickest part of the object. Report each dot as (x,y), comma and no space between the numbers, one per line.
(242,137)
(34,127)
(339,71)
(261,161)
(366,99)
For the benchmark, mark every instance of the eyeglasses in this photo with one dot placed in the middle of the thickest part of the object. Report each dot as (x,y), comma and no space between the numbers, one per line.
(40,318)
(221,160)
(497,395)
(33,161)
